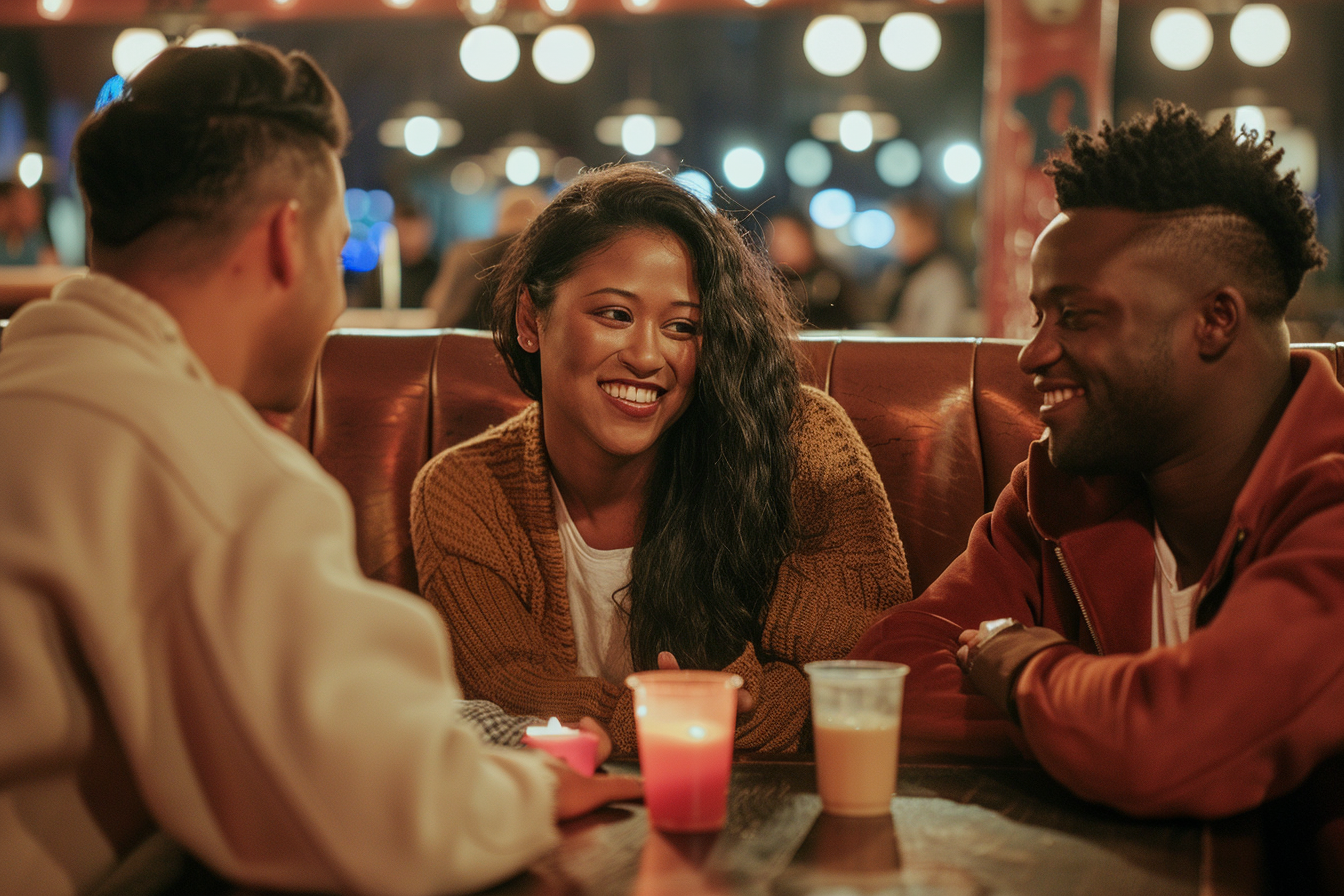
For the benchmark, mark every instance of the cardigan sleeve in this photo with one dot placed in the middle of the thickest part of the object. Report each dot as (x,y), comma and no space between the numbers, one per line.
(848,567)
(480,572)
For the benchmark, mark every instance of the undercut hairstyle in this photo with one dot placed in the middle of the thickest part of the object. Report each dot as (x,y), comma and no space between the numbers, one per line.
(1218,189)
(718,516)
(201,136)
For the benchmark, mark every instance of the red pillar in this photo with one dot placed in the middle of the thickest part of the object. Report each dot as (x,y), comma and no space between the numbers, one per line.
(1049,65)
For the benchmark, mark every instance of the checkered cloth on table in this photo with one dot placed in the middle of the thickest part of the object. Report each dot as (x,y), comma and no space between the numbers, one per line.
(493,725)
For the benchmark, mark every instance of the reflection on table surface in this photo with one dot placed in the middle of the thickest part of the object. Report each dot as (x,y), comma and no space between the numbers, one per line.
(954,830)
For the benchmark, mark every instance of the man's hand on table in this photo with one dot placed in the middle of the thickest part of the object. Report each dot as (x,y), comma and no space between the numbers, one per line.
(577,795)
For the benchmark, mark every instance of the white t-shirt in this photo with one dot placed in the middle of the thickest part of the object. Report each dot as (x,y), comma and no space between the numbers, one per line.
(1172,605)
(597,605)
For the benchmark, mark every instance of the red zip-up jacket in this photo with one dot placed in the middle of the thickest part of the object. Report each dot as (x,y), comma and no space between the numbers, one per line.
(1241,712)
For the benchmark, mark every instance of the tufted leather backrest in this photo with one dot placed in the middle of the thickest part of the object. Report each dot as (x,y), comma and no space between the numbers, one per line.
(946,422)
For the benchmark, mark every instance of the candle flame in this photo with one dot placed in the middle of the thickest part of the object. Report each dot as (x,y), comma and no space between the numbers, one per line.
(554,725)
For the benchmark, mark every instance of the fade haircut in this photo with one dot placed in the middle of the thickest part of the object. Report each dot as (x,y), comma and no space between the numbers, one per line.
(202,136)
(1218,193)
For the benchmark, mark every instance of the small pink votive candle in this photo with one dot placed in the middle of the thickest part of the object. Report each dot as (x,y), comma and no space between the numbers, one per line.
(577,748)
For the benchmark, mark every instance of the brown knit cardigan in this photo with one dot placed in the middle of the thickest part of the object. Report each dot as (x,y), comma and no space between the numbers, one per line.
(488,553)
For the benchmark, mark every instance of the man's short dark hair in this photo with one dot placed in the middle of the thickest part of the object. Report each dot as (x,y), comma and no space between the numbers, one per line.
(1169,162)
(194,127)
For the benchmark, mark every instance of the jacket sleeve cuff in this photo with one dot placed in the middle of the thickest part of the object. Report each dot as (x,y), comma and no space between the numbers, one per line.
(995,667)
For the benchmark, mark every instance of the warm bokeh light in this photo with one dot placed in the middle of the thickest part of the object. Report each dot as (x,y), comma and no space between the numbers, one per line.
(563,53)
(1249,118)
(421,134)
(743,167)
(490,53)
(567,169)
(910,41)
(211,37)
(1181,38)
(55,10)
(831,208)
(961,163)
(134,48)
(856,130)
(523,166)
(639,6)
(558,7)
(467,177)
(872,229)
(1260,34)
(639,135)
(30,168)
(398,4)
(898,163)
(834,45)
(808,163)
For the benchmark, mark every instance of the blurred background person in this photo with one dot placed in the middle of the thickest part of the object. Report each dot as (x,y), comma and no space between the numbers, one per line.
(419,262)
(926,291)
(825,295)
(464,287)
(23,238)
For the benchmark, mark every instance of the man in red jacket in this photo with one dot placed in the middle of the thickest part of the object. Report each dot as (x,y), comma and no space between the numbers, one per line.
(1155,607)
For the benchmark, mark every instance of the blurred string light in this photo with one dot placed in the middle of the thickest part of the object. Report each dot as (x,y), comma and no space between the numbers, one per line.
(757,3)
(698,184)
(910,41)
(1301,153)
(871,229)
(1249,118)
(857,124)
(563,53)
(370,214)
(522,158)
(398,4)
(55,10)
(1181,38)
(211,37)
(961,163)
(567,169)
(481,12)
(558,7)
(490,53)
(1260,34)
(31,168)
(808,163)
(420,128)
(134,48)
(639,6)
(856,130)
(522,166)
(834,44)
(283,3)
(831,208)
(898,163)
(743,167)
(637,126)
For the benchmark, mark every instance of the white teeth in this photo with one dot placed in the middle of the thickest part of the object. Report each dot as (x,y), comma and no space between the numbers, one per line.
(1059,396)
(633,394)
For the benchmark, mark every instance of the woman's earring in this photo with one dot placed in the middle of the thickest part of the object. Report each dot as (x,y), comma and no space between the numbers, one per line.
(525,342)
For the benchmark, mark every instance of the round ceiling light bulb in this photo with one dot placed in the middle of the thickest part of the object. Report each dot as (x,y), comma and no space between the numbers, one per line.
(211,37)
(30,168)
(856,130)
(834,45)
(55,10)
(639,134)
(135,47)
(961,163)
(522,166)
(490,53)
(910,41)
(1260,34)
(563,53)
(1181,38)
(743,167)
(422,135)
(808,163)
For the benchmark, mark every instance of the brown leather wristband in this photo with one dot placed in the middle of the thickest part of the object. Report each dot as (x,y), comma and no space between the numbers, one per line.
(994,668)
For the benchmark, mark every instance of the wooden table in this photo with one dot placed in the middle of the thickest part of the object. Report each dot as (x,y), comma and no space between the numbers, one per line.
(954,829)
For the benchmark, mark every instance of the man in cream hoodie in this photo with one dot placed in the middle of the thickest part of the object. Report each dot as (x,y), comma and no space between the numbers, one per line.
(187,644)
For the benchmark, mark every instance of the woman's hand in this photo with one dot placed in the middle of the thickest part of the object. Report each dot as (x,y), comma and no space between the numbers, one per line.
(745,702)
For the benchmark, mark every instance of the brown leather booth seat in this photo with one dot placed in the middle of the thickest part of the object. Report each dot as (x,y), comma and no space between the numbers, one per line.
(945,420)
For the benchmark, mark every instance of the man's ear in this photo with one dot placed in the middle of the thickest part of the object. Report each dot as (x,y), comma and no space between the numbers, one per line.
(1221,316)
(529,327)
(283,236)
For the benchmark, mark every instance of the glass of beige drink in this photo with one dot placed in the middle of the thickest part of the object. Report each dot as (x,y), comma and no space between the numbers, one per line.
(856,724)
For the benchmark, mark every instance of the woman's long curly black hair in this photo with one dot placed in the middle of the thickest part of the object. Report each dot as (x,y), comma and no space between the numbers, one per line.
(718,518)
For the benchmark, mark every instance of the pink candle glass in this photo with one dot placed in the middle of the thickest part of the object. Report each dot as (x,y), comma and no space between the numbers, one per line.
(577,748)
(685,722)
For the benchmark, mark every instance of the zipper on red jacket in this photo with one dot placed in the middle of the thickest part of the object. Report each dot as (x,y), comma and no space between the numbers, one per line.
(1087,620)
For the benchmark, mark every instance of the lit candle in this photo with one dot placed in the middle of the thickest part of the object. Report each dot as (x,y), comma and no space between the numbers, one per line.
(686,769)
(576,747)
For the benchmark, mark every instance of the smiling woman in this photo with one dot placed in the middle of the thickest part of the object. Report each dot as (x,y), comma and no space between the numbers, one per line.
(675,497)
